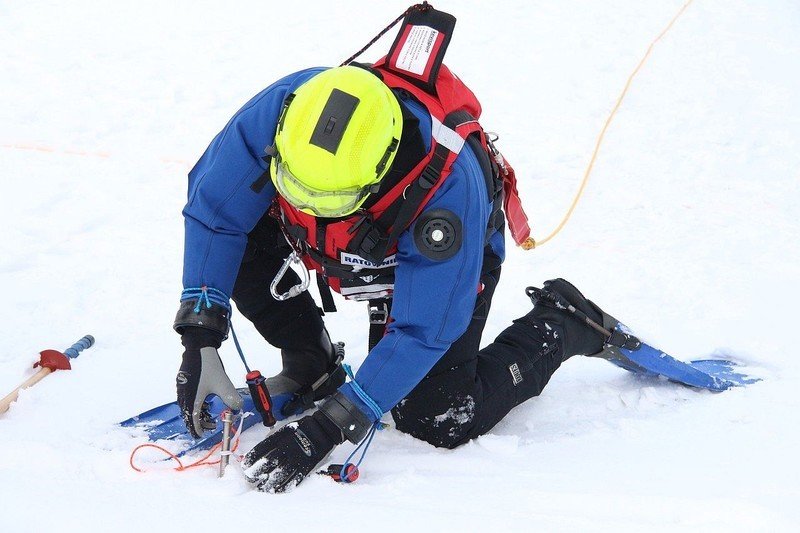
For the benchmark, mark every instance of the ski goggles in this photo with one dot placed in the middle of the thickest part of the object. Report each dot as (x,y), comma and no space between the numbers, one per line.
(317,202)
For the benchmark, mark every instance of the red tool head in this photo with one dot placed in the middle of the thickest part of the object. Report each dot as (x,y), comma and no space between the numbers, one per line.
(54,360)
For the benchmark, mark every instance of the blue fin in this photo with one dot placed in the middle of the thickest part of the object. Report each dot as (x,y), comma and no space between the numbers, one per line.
(710,374)
(166,423)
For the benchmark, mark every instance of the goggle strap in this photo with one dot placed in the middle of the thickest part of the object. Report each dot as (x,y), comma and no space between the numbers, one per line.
(285,108)
(386,155)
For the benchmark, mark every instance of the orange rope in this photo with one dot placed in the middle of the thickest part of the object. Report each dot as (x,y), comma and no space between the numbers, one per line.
(105,155)
(608,123)
(51,150)
(587,173)
(181,467)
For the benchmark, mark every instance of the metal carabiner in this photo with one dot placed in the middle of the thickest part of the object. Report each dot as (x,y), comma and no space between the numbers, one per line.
(491,138)
(297,289)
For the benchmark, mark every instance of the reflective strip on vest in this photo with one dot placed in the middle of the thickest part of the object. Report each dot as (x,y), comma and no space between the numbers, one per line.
(367,292)
(446,136)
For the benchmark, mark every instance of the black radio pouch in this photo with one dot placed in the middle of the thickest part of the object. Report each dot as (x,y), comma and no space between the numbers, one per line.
(418,51)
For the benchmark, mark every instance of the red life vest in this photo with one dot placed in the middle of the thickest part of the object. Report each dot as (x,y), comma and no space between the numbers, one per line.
(355,255)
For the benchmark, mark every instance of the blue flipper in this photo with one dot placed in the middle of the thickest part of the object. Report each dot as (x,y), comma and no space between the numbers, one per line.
(710,374)
(165,422)
(724,369)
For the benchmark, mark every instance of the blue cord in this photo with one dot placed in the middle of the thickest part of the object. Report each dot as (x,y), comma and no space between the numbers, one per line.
(361,394)
(239,348)
(343,475)
(206,295)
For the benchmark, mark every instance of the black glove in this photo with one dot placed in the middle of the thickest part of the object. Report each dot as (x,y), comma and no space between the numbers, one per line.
(282,460)
(202,374)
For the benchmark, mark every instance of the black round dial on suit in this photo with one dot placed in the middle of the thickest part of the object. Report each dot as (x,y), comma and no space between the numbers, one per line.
(438,234)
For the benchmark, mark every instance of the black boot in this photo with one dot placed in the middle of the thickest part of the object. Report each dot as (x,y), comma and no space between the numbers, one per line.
(310,373)
(586,328)
(304,360)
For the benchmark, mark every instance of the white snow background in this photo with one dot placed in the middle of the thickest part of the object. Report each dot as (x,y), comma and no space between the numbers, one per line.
(688,232)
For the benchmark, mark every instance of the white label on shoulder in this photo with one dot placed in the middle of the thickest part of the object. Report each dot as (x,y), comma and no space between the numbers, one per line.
(416,51)
(358,261)
(445,136)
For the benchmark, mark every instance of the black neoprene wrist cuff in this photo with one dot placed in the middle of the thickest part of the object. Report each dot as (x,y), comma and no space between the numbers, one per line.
(214,318)
(194,338)
(328,427)
(347,417)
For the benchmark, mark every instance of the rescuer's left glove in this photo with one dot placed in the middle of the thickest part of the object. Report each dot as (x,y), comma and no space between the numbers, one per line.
(282,460)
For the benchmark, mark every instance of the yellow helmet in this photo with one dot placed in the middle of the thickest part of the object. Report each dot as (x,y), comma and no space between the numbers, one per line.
(337,137)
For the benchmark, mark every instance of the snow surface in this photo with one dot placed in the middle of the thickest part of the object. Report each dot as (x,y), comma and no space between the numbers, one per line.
(688,232)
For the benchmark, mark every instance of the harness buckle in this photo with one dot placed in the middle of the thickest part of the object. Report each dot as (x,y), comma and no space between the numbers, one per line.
(373,245)
(301,287)
(428,178)
(378,313)
(370,240)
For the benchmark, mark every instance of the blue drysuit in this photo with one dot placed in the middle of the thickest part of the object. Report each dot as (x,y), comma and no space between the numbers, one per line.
(433,300)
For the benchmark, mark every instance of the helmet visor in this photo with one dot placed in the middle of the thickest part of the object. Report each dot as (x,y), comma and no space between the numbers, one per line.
(326,204)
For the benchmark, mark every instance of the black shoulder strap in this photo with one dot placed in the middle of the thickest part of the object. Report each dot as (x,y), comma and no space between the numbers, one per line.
(494,183)
(376,237)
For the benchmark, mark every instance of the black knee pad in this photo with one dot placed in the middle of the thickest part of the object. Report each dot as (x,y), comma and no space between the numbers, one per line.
(424,429)
(440,410)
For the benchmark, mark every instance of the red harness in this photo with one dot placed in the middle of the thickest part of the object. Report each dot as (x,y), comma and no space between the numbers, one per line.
(355,255)
(357,247)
